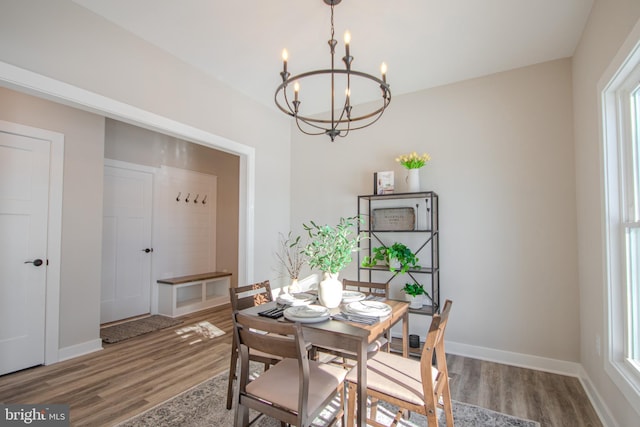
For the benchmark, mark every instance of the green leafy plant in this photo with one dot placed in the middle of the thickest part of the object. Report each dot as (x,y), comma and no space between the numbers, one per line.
(387,254)
(290,254)
(329,248)
(414,289)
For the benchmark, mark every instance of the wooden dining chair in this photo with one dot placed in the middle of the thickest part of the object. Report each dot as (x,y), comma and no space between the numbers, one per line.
(409,384)
(346,358)
(376,290)
(244,297)
(294,391)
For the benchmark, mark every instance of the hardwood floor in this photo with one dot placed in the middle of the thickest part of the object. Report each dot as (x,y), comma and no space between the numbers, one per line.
(129,377)
(551,399)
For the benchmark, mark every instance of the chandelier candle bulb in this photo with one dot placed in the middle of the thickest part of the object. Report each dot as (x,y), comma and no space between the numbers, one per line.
(383,70)
(347,40)
(285,56)
(296,89)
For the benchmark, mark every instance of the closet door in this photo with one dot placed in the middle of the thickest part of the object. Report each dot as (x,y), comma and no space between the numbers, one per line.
(126,243)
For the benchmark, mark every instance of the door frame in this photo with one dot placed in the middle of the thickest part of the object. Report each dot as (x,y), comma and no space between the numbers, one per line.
(54,232)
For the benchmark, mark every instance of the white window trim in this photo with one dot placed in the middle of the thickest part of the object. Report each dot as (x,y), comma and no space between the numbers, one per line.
(621,371)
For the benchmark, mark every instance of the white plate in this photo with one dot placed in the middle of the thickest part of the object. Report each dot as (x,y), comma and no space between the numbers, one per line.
(296,299)
(307,313)
(369,308)
(351,296)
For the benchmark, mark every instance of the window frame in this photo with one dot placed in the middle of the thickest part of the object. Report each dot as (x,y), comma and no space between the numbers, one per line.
(619,161)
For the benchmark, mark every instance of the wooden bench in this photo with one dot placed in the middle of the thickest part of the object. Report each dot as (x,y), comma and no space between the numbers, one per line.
(186,294)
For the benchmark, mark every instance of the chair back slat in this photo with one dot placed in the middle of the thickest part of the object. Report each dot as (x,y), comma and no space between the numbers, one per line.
(250,295)
(280,341)
(367,288)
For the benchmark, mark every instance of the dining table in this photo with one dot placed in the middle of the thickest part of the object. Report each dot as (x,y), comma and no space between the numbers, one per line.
(354,337)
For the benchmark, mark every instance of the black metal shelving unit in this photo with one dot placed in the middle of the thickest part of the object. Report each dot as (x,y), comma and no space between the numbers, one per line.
(423,237)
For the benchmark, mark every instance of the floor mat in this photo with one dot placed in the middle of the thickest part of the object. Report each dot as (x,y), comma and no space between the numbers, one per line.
(134,328)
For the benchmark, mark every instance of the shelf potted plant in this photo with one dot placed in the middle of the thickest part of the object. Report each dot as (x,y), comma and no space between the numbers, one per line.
(415,294)
(329,250)
(398,257)
(291,258)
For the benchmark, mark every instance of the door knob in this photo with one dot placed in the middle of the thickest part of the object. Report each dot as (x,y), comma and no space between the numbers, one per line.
(36,262)
(147,250)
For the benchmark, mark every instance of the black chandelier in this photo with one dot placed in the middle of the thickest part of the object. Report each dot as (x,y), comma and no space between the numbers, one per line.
(344,119)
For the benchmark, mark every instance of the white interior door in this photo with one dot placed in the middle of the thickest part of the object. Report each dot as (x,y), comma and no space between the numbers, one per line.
(24,193)
(126,244)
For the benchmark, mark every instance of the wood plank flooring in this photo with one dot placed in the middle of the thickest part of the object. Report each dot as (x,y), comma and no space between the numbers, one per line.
(129,377)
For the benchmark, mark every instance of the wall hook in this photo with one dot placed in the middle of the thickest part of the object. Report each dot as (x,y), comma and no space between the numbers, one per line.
(187,199)
(179,194)
(204,201)
(196,199)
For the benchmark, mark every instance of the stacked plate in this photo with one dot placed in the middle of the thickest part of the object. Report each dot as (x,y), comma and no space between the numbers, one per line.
(352,296)
(296,299)
(368,308)
(307,313)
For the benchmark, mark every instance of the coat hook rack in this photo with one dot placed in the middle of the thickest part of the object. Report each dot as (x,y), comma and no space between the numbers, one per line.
(204,201)
(196,199)
(187,199)
(178,198)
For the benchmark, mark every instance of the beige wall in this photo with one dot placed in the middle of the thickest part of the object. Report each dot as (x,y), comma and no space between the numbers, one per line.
(136,145)
(608,26)
(502,163)
(82,207)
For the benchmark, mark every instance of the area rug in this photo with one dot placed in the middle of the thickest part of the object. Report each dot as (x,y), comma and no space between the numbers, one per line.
(204,405)
(134,328)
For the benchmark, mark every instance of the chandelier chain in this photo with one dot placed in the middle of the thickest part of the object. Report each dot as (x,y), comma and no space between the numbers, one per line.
(332,29)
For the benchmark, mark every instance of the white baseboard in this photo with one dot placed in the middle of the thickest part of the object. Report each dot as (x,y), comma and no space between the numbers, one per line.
(555,366)
(596,400)
(81,349)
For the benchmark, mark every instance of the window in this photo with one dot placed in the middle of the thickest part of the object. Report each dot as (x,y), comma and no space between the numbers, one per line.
(632,226)
(621,136)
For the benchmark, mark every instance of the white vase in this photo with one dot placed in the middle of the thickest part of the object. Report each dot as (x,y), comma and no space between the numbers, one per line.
(330,290)
(415,301)
(413,180)
(294,287)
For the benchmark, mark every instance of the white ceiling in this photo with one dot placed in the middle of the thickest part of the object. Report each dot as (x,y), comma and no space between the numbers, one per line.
(425,43)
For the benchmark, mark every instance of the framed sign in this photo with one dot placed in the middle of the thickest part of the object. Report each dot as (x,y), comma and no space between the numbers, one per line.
(393,219)
(383,182)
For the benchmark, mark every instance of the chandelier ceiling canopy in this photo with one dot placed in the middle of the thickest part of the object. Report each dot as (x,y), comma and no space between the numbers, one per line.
(343,86)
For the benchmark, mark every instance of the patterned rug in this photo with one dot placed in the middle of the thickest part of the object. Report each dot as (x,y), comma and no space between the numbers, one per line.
(134,328)
(204,405)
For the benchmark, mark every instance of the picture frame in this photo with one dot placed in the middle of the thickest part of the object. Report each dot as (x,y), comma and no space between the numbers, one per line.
(383,182)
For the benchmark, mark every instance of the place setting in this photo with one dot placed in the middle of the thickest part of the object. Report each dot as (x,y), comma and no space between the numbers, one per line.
(307,313)
(363,311)
(352,296)
(297,299)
